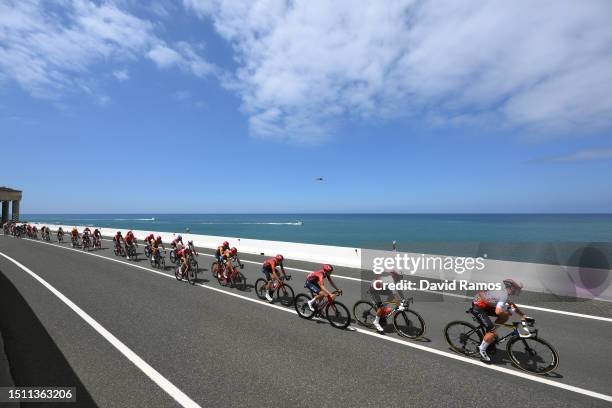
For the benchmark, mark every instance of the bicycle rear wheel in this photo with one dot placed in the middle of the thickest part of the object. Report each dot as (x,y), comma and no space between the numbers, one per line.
(260,288)
(463,337)
(301,306)
(365,313)
(284,295)
(409,323)
(532,354)
(338,315)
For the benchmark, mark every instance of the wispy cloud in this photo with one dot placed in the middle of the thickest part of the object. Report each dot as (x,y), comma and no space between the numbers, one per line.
(182,56)
(305,66)
(579,157)
(121,75)
(50,49)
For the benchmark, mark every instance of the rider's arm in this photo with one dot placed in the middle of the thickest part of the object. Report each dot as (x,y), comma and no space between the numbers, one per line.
(329,278)
(517,310)
(500,309)
(323,288)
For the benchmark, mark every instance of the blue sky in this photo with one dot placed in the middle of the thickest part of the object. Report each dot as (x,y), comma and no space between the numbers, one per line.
(214,106)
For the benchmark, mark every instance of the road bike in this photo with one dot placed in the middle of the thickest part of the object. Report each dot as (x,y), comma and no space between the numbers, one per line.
(75,241)
(131,252)
(189,275)
(235,279)
(147,251)
(527,351)
(118,249)
(97,242)
(158,260)
(60,237)
(407,322)
(335,312)
(86,243)
(281,292)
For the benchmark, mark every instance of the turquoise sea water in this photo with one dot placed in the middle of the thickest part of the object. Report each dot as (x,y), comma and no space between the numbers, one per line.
(528,237)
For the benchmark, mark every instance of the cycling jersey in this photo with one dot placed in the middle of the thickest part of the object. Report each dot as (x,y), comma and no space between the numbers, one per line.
(129,239)
(176,241)
(118,238)
(317,276)
(97,233)
(149,237)
(491,299)
(74,232)
(183,252)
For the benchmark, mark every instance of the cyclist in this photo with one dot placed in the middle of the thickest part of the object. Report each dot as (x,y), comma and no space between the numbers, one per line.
(149,238)
(183,255)
(129,240)
(74,235)
(60,233)
(155,243)
(44,231)
(392,296)
(315,282)
(97,235)
(269,270)
(220,250)
(176,241)
(495,303)
(34,231)
(118,239)
(86,232)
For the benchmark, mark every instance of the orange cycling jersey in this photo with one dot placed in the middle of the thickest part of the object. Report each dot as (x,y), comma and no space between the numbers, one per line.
(319,276)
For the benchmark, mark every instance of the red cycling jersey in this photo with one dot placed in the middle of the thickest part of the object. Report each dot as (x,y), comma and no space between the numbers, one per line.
(183,252)
(118,237)
(317,275)
(129,239)
(176,241)
(149,237)
(271,263)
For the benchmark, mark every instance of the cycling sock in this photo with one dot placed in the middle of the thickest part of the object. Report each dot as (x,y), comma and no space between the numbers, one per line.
(484,345)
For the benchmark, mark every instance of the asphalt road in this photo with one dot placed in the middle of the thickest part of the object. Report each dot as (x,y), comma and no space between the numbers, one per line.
(220,346)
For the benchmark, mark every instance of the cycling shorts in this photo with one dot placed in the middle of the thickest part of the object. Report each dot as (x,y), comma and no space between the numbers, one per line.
(267,271)
(482,315)
(313,286)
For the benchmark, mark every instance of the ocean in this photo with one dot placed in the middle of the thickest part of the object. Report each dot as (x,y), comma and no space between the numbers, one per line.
(543,238)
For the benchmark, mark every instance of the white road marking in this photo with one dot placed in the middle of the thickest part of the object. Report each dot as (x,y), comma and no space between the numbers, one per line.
(149,371)
(453,356)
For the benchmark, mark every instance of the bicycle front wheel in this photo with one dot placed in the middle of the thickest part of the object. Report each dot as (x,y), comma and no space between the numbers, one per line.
(409,323)
(463,337)
(191,276)
(532,354)
(239,281)
(365,313)
(338,315)
(301,306)
(284,295)
(178,274)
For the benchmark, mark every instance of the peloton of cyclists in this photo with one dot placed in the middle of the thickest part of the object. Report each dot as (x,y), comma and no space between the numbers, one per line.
(495,303)
(315,281)
(271,274)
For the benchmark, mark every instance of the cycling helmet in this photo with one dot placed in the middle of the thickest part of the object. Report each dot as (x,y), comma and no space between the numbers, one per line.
(234,250)
(158,238)
(190,242)
(279,258)
(328,268)
(225,243)
(514,285)
(118,232)
(180,238)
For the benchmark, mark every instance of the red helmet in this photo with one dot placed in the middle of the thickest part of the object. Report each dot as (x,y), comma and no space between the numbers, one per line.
(158,238)
(234,250)
(328,268)
(279,258)
(225,243)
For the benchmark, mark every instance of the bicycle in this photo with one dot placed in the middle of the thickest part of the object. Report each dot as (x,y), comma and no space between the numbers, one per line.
(524,347)
(158,261)
(281,292)
(97,242)
(60,238)
(188,275)
(131,252)
(335,312)
(236,279)
(118,250)
(86,243)
(407,322)
(75,242)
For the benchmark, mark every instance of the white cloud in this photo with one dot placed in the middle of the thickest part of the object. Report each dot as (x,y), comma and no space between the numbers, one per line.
(305,66)
(582,156)
(122,75)
(184,57)
(51,49)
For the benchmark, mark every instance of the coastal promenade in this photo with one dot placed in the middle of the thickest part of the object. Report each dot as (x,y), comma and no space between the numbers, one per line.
(126,334)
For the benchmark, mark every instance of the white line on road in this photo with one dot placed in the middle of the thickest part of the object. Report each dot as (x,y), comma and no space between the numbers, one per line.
(453,356)
(178,395)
